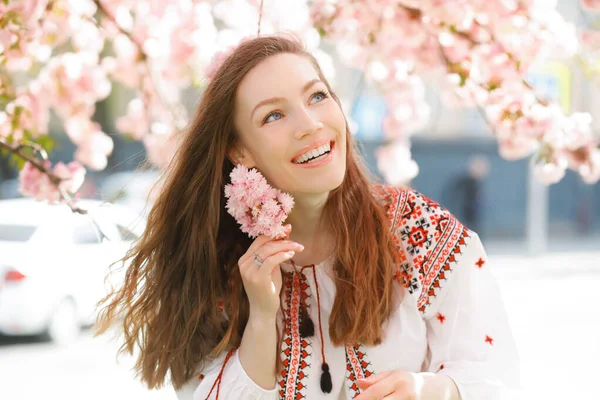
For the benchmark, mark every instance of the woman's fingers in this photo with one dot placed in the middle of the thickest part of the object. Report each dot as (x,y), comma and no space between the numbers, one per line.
(269,249)
(258,243)
(365,383)
(273,262)
(379,389)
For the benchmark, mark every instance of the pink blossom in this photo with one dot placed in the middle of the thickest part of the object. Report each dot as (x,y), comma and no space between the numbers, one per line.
(550,172)
(161,144)
(36,184)
(516,147)
(94,146)
(75,82)
(395,163)
(72,175)
(35,115)
(586,161)
(590,171)
(94,150)
(259,208)
(5,125)
(135,122)
(408,108)
(86,37)
(126,67)
(590,38)
(590,45)
(578,131)
(593,5)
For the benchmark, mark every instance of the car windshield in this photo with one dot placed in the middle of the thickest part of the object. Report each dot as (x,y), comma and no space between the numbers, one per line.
(16,233)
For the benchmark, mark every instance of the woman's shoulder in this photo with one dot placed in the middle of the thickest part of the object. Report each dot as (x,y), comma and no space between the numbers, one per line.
(406,203)
(429,238)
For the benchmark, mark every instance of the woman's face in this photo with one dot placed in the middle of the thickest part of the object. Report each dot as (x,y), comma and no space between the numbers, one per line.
(289,126)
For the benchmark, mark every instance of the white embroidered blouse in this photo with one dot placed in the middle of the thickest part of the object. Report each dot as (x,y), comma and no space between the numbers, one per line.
(451,320)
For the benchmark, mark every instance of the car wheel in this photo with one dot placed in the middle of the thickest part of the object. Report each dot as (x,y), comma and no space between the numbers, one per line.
(64,325)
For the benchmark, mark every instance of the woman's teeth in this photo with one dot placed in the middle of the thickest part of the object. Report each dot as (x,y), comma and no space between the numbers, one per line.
(314,154)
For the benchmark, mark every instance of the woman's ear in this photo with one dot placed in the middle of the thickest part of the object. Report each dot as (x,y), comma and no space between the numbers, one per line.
(239,154)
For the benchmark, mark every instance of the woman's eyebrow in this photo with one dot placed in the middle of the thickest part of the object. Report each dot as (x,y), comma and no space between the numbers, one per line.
(272,100)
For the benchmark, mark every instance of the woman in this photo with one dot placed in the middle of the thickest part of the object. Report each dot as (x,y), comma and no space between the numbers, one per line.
(376,290)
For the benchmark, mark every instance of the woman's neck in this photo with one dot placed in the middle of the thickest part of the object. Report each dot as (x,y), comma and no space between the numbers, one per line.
(307,229)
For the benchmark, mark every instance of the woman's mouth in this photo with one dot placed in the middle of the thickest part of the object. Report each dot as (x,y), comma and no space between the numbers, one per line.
(315,155)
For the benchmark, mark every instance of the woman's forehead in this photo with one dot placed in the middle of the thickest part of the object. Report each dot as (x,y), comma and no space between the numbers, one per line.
(281,75)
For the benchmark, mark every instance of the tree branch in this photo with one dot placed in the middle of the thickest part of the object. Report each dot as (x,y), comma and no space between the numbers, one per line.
(17,149)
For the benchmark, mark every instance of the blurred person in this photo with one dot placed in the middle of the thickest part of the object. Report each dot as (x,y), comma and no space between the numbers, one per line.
(375,291)
(468,192)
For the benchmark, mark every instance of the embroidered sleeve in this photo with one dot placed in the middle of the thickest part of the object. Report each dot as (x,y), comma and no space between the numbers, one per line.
(445,267)
(468,331)
(224,379)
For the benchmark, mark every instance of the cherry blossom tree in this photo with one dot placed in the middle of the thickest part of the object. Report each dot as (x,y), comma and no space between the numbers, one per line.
(61,57)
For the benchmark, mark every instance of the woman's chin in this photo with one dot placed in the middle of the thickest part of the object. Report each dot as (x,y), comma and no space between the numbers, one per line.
(325,184)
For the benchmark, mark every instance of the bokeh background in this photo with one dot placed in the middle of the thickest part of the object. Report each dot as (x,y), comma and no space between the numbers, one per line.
(543,241)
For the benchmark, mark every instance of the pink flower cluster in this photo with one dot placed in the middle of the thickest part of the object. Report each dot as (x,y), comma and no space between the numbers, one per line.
(259,208)
(481,51)
(34,183)
(593,5)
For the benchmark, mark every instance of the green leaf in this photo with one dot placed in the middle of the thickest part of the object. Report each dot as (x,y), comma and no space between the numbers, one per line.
(47,142)
(16,162)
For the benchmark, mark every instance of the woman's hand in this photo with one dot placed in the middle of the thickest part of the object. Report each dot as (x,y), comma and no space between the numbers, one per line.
(404,385)
(263,282)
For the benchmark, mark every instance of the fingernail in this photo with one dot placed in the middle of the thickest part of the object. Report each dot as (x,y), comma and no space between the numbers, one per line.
(298,245)
(290,254)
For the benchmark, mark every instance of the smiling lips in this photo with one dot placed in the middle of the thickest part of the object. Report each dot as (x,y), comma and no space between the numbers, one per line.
(316,153)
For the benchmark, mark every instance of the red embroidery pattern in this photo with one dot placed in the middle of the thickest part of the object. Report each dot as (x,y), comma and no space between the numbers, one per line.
(489,340)
(441,318)
(480,263)
(394,201)
(357,367)
(434,238)
(295,350)
(431,237)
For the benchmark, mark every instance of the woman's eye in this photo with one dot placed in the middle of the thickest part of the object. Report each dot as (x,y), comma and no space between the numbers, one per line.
(274,116)
(319,96)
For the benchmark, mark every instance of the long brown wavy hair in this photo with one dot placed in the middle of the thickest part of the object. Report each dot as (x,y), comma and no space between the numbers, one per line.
(184,266)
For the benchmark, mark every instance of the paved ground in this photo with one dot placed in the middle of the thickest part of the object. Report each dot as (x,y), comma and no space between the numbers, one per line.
(553,303)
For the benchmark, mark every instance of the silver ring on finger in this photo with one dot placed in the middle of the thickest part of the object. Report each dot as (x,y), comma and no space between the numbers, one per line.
(258,260)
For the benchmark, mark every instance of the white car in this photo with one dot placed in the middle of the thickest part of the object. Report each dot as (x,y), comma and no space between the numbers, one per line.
(53,264)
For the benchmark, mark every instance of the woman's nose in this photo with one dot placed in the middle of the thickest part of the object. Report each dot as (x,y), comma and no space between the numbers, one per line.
(308,124)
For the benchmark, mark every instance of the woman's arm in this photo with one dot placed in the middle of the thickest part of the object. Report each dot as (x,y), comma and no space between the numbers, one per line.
(258,351)
(468,332)
(247,372)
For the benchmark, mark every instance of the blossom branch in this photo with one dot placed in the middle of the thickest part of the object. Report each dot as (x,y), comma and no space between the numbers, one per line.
(18,150)
(176,113)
